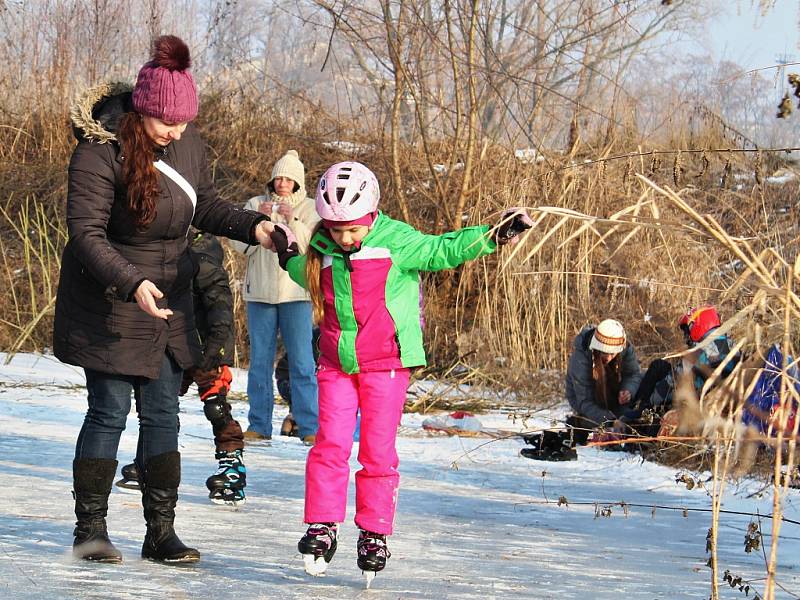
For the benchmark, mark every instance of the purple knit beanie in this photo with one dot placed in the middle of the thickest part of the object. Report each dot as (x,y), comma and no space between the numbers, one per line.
(165,88)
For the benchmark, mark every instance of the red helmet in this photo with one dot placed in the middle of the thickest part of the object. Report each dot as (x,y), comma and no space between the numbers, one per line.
(697,322)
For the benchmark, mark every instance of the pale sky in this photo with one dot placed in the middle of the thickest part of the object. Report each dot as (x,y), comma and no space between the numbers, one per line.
(742,35)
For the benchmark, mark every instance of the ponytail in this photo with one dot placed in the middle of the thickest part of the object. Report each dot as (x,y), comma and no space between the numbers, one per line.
(314,279)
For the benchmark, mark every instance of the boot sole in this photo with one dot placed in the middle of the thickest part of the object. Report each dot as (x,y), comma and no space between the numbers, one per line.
(105,560)
(174,561)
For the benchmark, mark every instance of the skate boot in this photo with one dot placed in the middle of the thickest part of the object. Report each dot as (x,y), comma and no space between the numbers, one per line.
(550,445)
(372,554)
(318,546)
(130,479)
(226,485)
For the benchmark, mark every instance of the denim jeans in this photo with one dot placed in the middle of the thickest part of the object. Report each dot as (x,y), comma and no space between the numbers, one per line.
(110,402)
(293,319)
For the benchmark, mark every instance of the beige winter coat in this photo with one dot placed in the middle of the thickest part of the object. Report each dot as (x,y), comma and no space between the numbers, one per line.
(264,279)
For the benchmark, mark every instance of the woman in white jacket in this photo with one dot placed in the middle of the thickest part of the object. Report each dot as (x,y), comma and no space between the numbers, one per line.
(275,302)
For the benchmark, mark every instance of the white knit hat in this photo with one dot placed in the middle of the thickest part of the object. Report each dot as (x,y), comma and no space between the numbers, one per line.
(289,165)
(609,337)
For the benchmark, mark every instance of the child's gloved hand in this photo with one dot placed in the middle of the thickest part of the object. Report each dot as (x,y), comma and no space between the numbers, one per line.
(205,378)
(512,223)
(186,381)
(284,243)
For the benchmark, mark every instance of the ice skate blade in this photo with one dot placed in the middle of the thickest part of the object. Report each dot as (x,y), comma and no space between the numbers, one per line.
(232,503)
(368,577)
(314,565)
(126,486)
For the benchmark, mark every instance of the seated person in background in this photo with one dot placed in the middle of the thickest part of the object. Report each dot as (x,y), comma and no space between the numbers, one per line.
(698,325)
(603,374)
(658,384)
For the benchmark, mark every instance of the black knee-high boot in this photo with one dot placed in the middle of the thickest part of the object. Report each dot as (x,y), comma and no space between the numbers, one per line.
(92,479)
(160,480)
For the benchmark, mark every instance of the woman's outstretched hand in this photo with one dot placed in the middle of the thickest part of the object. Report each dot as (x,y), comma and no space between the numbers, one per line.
(146,295)
(263,231)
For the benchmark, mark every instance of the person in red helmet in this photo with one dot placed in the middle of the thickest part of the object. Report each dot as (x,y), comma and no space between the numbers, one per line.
(658,383)
(698,325)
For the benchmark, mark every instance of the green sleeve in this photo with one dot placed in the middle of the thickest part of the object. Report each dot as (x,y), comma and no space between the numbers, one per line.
(413,250)
(296,267)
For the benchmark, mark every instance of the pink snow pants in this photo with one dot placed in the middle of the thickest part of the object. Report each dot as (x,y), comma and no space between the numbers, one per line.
(380,396)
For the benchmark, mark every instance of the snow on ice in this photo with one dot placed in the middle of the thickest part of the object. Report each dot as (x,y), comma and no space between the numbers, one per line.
(475,519)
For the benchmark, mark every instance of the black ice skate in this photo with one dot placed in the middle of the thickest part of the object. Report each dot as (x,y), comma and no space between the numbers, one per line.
(550,445)
(318,546)
(226,485)
(372,554)
(130,479)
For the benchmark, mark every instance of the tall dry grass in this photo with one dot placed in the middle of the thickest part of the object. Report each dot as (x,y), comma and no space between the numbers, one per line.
(603,245)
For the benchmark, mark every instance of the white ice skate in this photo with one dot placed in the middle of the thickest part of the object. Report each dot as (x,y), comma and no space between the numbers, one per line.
(318,546)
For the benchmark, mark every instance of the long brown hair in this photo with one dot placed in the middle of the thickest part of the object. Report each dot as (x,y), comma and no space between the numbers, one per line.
(607,379)
(138,172)
(314,279)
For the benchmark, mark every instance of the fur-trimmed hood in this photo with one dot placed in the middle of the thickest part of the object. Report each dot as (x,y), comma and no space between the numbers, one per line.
(96,113)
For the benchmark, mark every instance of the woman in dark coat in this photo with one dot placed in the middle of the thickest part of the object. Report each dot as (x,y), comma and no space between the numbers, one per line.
(138,179)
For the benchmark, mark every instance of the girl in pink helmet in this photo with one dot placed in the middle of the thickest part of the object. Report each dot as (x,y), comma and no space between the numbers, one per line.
(362,272)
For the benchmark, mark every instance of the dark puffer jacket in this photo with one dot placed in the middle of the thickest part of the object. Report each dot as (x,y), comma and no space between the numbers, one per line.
(98,325)
(213,302)
(580,383)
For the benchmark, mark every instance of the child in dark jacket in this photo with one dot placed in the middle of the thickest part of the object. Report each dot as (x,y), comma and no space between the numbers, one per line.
(213,310)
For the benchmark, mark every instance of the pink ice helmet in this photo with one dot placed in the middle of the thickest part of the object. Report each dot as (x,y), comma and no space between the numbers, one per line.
(347,191)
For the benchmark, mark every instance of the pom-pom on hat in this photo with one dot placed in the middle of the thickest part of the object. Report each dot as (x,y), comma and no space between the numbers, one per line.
(609,337)
(289,165)
(165,88)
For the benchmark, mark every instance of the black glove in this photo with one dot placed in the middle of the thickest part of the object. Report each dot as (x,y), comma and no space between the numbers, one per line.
(186,381)
(513,222)
(211,359)
(285,244)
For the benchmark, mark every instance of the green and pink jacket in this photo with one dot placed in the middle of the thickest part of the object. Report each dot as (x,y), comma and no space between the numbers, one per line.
(371,296)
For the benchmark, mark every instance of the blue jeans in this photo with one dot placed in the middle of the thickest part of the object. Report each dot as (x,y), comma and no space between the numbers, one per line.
(294,321)
(110,402)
